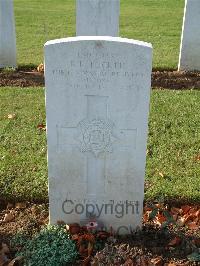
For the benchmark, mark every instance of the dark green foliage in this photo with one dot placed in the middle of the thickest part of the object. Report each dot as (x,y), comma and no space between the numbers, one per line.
(194,257)
(51,247)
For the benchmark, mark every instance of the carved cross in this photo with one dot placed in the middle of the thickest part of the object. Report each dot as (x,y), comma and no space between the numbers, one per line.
(95,135)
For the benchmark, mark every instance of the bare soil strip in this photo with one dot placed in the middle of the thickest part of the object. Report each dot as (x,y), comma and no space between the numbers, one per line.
(152,243)
(166,79)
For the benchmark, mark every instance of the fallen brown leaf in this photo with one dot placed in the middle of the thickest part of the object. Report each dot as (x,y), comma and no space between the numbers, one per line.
(197,214)
(188,218)
(175,241)
(11,116)
(159,205)
(20,205)
(175,210)
(181,221)
(161,174)
(75,237)
(146,208)
(185,209)
(193,226)
(197,158)
(156,262)
(8,217)
(41,126)
(40,68)
(35,210)
(146,216)
(161,218)
(193,210)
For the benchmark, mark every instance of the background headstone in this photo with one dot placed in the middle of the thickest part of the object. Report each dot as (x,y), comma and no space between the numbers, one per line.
(7,34)
(189,58)
(97,17)
(97,104)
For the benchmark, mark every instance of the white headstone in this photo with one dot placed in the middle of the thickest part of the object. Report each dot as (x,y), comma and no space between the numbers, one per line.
(7,34)
(97,104)
(97,17)
(189,58)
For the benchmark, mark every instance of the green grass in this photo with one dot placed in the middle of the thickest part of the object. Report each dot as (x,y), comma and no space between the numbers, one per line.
(173,145)
(155,21)
(23,170)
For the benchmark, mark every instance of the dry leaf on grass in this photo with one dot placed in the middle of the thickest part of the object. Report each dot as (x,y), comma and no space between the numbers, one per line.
(41,126)
(11,116)
(188,216)
(197,158)
(161,174)
(40,68)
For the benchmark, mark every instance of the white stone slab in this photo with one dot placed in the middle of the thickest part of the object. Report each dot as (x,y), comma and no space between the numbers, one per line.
(97,104)
(97,17)
(189,58)
(7,34)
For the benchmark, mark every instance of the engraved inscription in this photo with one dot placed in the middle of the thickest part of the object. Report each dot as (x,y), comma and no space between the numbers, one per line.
(96,70)
(96,135)
(97,4)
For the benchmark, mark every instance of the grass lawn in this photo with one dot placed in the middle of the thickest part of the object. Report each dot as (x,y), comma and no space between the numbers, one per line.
(173,161)
(155,21)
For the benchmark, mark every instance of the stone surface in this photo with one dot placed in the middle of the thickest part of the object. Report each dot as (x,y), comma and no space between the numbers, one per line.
(97,17)
(97,102)
(189,58)
(7,34)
